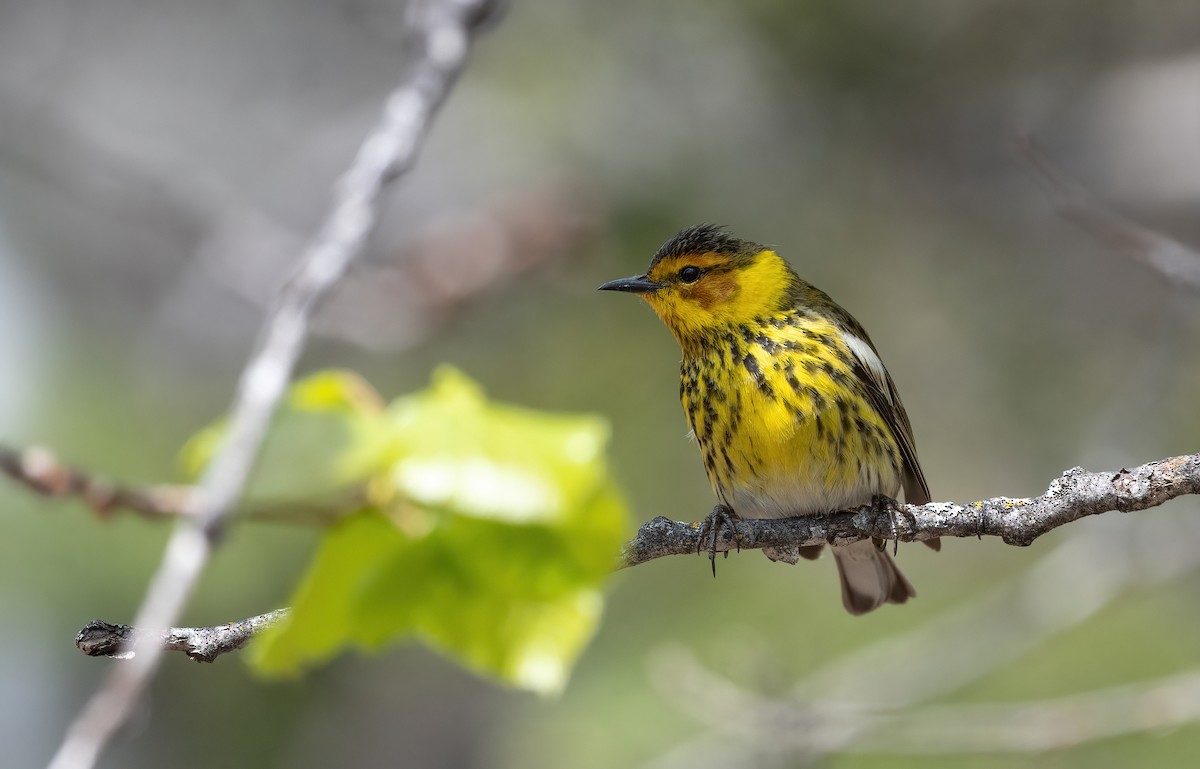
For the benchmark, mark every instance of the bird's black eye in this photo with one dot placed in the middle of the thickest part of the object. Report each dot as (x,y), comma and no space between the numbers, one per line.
(690,274)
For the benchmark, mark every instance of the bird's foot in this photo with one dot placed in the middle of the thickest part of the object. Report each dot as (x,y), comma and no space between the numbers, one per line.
(882,505)
(721,518)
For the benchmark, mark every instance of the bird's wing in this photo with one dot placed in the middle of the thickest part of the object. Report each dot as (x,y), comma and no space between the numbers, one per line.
(881,391)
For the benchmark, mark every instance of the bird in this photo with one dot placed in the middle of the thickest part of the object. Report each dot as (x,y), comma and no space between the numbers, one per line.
(787,398)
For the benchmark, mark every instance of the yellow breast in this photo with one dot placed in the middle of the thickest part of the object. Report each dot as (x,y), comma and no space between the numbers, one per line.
(783,422)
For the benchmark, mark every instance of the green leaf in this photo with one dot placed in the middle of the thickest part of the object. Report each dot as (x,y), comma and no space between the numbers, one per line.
(494,461)
(501,526)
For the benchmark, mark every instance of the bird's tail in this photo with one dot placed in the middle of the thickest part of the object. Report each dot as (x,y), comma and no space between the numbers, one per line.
(870,578)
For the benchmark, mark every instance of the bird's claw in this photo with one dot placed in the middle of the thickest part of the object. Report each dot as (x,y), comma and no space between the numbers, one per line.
(882,505)
(722,517)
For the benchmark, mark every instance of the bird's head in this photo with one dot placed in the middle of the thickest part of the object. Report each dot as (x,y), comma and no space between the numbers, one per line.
(704,280)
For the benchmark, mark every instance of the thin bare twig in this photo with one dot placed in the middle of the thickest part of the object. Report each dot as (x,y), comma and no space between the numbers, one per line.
(824,726)
(37,468)
(40,470)
(444,29)
(203,644)
(1032,727)
(1074,495)
(1174,260)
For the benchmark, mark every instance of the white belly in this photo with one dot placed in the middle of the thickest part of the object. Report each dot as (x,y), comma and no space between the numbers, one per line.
(793,496)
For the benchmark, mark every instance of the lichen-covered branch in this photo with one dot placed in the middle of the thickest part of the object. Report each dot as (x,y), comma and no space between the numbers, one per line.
(1074,495)
(203,644)
(1077,493)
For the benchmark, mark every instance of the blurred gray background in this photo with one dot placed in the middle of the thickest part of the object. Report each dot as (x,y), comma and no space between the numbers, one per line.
(160,163)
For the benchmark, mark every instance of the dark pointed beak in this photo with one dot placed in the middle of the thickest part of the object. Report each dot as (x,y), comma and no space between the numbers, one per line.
(638,284)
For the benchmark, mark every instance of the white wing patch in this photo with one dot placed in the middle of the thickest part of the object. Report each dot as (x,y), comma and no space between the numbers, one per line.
(870,359)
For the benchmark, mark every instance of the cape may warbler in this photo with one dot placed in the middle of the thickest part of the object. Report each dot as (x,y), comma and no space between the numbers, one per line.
(790,403)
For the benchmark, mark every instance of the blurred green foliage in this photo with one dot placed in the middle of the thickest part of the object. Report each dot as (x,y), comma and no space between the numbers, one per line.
(482,529)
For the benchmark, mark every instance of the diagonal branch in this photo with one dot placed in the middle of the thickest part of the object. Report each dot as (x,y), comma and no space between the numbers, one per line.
(1074,495)
(443,28)
(1172,259)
